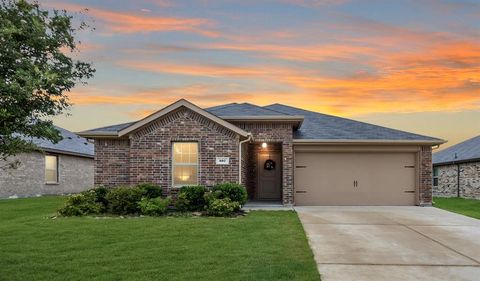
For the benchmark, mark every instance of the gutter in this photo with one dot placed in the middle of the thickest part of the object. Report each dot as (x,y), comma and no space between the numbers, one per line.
(250,138)
(365,141)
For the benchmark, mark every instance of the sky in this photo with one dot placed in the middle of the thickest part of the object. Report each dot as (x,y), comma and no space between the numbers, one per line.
(412,65)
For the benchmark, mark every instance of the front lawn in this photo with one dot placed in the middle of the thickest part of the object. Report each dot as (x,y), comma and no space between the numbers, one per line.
(260,246)
(467,207)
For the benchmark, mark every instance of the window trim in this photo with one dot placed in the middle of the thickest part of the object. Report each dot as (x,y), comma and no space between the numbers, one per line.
(197,164)
(56,169)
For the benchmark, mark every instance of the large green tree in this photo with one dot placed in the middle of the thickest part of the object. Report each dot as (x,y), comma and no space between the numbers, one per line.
(36,72)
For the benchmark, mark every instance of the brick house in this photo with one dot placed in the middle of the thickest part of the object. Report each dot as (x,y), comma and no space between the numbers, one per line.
(280,153)
(57,168)
(456,170)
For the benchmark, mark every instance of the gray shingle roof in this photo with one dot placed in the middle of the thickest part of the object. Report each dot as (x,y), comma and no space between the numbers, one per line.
(315,125)
(70,144)
(322,126)
(468,150)
(113,128)
(243,109)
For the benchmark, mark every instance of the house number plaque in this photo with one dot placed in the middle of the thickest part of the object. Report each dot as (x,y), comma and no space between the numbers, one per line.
(222,160)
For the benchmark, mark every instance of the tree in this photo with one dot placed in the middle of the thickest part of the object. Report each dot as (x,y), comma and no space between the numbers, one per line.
(35,72)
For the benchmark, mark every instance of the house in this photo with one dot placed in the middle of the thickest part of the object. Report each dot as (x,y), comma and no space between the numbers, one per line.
(280,153)
(456,170)
(59,168)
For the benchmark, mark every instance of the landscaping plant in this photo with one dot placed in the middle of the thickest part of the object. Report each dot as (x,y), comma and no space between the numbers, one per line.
(154,206)
(191,198)
(81,204)
(222,207)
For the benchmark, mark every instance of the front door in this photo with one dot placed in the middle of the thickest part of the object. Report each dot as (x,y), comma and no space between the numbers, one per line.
(269,167)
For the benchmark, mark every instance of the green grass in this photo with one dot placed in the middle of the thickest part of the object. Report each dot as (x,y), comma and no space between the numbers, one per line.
(467,207)
(260,246)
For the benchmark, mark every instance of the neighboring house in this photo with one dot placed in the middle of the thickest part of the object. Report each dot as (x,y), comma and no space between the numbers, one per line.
(280,153)
(61,168)
(457,170)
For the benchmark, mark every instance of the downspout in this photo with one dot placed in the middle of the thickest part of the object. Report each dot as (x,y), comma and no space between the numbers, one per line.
(250,137)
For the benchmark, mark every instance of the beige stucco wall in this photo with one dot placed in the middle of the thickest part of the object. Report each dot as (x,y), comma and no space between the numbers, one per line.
(75,175)
(448,180)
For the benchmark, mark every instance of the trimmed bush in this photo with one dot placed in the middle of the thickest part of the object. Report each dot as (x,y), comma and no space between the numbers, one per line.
(124,200)
(222,207)
(81,204)
(190,198)
(234,191)
(101,197)
(150,190)
(154,206)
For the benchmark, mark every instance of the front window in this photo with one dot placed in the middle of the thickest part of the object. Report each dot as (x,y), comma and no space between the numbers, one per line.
(435,176)
(185,163)
(51,169)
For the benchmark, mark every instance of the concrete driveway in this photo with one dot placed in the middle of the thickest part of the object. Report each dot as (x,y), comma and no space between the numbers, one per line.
(392,243)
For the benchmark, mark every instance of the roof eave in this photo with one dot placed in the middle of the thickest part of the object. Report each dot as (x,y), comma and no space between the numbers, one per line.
(367,141)
(72,153)
(98,134)
(453,162)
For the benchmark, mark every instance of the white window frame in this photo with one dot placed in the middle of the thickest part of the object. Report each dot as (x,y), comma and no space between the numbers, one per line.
(56,169)
(184,164)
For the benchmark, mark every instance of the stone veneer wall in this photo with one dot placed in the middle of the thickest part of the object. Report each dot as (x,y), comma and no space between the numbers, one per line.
(75,175)
(448,180)
(275,133)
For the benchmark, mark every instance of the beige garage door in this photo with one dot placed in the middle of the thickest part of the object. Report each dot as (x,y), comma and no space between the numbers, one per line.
(354,178)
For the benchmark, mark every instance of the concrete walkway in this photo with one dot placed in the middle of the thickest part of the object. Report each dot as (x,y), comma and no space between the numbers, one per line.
(392,243)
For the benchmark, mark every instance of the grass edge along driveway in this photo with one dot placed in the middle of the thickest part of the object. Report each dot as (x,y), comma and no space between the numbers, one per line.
(467,207)
(260,246)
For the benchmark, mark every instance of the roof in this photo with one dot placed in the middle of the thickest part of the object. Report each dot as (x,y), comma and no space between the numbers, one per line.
(243,109)
(318,126)
(310,126)
(121,130)
(70,144)
(466,151)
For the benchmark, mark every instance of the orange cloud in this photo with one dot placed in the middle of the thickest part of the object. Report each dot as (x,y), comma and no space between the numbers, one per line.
(123,22)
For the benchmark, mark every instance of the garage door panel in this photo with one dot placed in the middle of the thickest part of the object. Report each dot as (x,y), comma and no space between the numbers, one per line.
(329,178)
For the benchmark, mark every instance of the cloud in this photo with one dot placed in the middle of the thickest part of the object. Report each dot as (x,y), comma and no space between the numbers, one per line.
(127,22)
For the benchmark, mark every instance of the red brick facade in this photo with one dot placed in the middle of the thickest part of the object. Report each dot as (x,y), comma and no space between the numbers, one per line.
(425,188)
(145,155)
(277,133)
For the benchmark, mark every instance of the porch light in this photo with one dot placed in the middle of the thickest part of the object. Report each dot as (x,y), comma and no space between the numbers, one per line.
(264,145)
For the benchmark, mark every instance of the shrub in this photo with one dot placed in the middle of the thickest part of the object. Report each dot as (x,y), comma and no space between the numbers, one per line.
(234,191)
(222,207)
(101,197)
(190,198)
(124,200)
(81,204)
(154,206)
(150,190)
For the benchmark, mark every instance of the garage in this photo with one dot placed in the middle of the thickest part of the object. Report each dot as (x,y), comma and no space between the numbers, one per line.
(355,177)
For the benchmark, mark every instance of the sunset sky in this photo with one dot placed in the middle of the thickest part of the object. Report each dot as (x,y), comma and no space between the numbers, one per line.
(410,65)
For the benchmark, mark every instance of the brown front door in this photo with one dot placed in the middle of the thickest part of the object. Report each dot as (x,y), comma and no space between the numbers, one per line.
(269,178)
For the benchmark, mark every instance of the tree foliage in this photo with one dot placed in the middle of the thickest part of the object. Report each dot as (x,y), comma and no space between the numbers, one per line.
(36,72)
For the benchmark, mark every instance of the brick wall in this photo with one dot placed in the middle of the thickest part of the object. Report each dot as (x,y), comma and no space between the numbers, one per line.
(112,162)
(425,187)
(75,174)
(273,133)
(146,155)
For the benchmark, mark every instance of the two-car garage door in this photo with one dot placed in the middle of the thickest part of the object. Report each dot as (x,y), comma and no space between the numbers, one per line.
(355,178)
